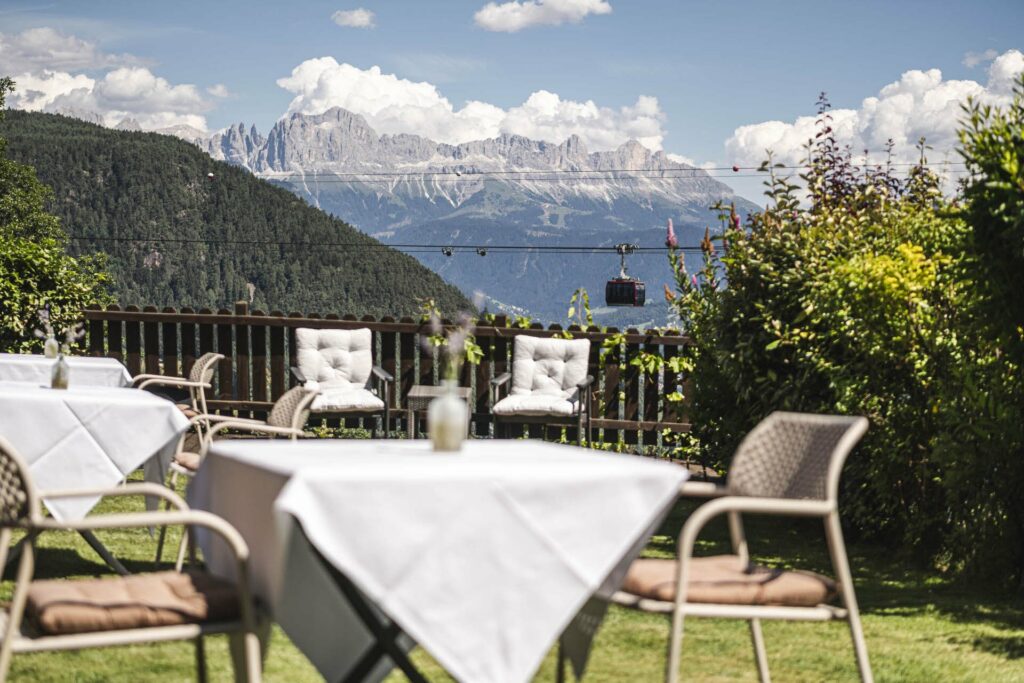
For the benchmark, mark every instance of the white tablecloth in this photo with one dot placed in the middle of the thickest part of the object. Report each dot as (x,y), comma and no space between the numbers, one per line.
(483,557)
(86,437)
(84,370)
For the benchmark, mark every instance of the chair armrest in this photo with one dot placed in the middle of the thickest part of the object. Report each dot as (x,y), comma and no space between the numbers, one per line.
(702,489)
(585,383)
(297,374)
(155,519)
(137,378)
(382,374)
(765,506)
(249,427)
(497,383)
(134,489)
(171,382)
(210,419)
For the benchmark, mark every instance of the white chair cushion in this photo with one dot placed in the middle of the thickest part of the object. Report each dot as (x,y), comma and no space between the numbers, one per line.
(335,359)
(549,367)
(346,401)
(535,404)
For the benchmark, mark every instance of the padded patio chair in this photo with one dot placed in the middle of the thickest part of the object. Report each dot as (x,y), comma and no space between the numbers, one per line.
(788,465)
(550,385)
(339,365)
(287,418)
(123,610)
(198,381)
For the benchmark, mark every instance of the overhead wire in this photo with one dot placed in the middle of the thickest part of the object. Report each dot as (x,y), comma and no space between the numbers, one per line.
(405,247)
(273,175)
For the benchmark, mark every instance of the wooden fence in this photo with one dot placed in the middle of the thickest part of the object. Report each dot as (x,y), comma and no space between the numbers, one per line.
(259,349)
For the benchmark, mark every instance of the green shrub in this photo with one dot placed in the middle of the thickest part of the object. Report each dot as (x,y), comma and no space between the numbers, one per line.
(865,299)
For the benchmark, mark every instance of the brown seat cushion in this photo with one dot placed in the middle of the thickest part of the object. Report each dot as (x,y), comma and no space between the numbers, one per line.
(725,579)
(61,607)
(188,410)
(190,461)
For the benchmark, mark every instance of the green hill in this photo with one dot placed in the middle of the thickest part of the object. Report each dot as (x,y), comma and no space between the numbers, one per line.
(177,237)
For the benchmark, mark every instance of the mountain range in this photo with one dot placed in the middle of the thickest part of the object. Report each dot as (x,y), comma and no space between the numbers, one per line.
(182,229)
(505,191)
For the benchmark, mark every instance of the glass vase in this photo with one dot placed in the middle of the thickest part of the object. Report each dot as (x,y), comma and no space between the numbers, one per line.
(59,377)
(448,419)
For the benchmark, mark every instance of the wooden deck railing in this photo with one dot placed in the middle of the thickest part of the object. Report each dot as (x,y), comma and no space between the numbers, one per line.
(259,349)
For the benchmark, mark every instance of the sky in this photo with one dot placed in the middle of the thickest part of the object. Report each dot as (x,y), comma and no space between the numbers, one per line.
(711,82)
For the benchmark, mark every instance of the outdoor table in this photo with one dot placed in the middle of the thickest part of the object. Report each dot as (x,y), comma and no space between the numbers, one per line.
(484,557)
(88,437)
(418,400)
(82,370)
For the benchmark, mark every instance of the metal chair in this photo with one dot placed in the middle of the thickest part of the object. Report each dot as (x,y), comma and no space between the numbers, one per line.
(338,364)
(198,381)
(550,385)
(788,465)
(73,615)
(287,417)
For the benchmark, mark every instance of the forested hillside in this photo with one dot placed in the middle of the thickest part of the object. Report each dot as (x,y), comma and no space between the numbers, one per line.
(178,236)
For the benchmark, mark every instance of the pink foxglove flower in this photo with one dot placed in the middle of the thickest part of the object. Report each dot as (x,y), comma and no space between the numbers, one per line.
(670,236)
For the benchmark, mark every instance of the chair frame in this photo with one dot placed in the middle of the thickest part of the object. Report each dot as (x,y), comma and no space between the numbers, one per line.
(382,380)
(726,502)
(245,640)
(204,367)
(211,425)
(582,420)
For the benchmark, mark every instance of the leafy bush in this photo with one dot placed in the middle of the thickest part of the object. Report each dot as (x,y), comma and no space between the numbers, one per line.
(866,299)
(35,270)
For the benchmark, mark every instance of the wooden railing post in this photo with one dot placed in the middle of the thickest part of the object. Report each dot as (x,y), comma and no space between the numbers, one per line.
(242,357)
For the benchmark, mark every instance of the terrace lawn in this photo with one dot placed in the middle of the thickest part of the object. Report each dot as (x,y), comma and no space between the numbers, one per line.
(919,627)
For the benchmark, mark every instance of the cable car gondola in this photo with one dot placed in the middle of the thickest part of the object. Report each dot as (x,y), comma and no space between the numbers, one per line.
(625,290)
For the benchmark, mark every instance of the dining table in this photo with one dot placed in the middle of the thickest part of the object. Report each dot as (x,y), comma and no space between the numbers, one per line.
(82,370)
(88,437)
(484,557)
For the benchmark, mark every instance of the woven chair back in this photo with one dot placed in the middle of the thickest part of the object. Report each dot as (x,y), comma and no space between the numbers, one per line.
(292,409)
(794,455)
(17,498)
(202,370)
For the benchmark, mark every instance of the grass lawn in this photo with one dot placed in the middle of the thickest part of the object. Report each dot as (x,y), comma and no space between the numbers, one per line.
(919,627)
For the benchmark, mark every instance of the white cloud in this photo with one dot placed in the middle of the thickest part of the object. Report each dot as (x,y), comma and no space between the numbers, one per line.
(395,105)
(973,59)
(46,66)
(510,17)
(37,92)
(919,104)
(45,48)
(127,92)
(354,18)
(219,90)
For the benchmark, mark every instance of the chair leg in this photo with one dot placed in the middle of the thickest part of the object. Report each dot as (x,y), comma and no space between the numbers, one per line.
(860,648)
(841,564)
(560,672)
(184,545)
(201,674)
(163,530)
(757,638)
(245,656)
(675,648)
